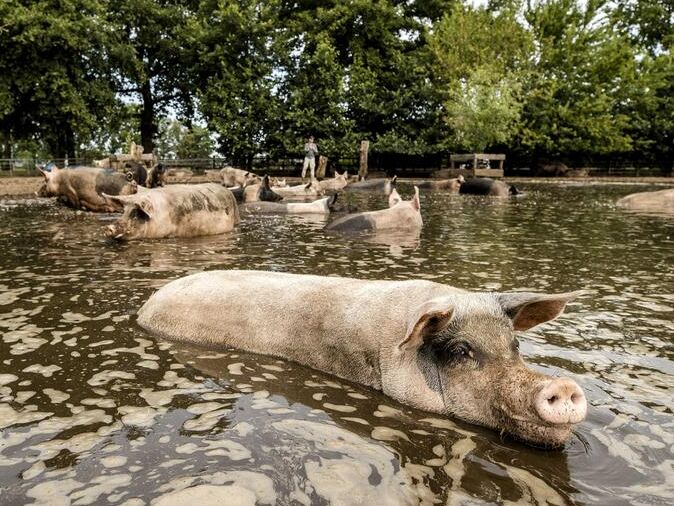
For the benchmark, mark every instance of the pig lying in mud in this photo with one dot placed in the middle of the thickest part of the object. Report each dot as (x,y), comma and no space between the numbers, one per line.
(337,183)
(451,185)
(311,189)
(401,215)
(650,202)
(487,186)
(180,210)
(320,206)
(373,185)
(229,176)
(425,344)
(83,188)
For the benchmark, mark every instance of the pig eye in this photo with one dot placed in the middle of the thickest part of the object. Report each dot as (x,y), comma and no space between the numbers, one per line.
(516,345)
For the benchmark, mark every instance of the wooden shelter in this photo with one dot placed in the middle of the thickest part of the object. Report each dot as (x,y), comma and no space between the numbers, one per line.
(473,164)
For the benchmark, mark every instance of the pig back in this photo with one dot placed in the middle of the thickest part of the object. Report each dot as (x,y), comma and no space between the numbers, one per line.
(337,325)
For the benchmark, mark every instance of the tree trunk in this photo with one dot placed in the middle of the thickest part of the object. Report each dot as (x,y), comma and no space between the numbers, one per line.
(362,171)
(322,166)
(148,127)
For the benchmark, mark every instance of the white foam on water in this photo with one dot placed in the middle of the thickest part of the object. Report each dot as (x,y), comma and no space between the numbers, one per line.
(388,434)
(139,416)
(339,407)
(356,420)
(223,447)
(345,479)
(235,368)
(259,484)
(9,416)
(56,396)
(534,490)
(113,461)
(206,421)
(6,379)
(104,377)
(148,364)
(384,411)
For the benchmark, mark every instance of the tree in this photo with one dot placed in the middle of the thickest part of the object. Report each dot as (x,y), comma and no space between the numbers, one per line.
(152,59)
(480,74)
(483,111)
(235,73)
(55,84)
(581,71)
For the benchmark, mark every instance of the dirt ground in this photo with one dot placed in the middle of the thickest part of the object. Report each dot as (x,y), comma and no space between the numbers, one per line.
(13,187)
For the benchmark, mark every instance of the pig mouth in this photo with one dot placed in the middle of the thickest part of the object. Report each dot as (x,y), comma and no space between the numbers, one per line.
(532,431)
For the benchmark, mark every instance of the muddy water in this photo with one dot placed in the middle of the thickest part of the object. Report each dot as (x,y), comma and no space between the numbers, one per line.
(94,410)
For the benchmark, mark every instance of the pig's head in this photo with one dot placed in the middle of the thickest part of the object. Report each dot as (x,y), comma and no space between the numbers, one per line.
(50,188)
(459,356)
(250,178)
(135,220)
(279,183)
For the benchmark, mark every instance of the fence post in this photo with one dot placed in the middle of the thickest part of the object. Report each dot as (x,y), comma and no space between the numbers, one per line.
(362,170)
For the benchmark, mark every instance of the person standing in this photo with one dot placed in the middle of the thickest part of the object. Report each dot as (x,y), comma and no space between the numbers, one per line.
(310,152)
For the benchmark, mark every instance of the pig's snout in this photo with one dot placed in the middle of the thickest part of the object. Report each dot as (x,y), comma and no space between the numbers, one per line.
(561,401)
(113,232)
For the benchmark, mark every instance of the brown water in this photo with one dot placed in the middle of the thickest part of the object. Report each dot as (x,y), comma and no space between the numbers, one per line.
(95,410)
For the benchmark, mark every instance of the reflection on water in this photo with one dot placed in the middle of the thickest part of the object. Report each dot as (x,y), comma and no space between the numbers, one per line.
(92,409)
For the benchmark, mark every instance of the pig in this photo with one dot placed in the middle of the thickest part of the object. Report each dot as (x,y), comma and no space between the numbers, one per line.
(320,206)
(425,344)
(157,176)
(134,171)
(260,192)
(281,183)
(180,210)
(452,185)
(373,185)
(83,188)
(311,189)
(487,186)
(651,202)
(335,184)
(238,177)
(401,215)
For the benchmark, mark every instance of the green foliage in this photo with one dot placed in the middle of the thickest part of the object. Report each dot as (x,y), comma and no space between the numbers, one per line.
(582,73)
(542,78)
(484,110)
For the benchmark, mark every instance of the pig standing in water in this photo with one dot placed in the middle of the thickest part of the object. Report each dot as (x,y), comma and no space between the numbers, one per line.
(180,210)
(373,185)
(401,215)
(425,344)
(311,189)
(452,185)
(83,188)
(487,186)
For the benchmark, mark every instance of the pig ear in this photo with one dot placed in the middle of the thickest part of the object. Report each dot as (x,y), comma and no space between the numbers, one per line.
(416,204)
(393,198)
(526,310)
(146,206)
(430,318)
(46,174)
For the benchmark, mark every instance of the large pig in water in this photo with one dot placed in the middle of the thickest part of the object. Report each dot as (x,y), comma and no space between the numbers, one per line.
(180,210)
(428,345)
(649,202)
(401,215)
(83,188)
(487,186)
(451,185)
(238,177)
(384,186)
